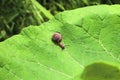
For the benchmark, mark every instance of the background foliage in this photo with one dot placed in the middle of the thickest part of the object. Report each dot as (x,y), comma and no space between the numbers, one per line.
(17,14)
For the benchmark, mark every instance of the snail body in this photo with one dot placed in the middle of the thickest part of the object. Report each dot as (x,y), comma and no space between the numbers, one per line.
(57,39)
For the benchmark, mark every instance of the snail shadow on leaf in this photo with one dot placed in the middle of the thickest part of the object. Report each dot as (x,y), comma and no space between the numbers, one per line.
(101,71)
(58,44)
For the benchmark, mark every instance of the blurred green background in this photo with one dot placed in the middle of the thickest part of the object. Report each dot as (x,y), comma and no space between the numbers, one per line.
(17,14)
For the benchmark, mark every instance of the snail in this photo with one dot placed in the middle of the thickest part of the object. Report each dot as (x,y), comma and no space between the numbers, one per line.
(57,39)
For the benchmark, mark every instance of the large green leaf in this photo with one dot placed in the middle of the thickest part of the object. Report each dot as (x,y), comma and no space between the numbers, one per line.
(91,37)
